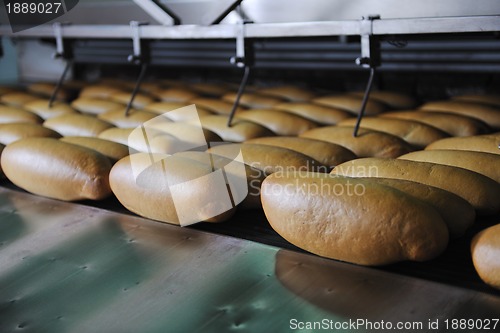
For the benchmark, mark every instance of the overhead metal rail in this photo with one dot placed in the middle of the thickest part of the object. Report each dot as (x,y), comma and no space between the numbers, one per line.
(402,26)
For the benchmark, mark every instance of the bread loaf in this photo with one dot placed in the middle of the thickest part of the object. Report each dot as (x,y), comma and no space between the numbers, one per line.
(17,98)
(489,99)
(351,104)
(99,91)
(134,118)
(368,143)
(289,93)
(485,248)
(484,163)
(327,153)
(490,115)
(268,159)
(42,109)
(232,169)
(165,109)
(95,106)
(140,100)
(352,220)
(319,114)
(176,95)
(393,100)
(215,105)
(77,125)
(480,191)
(56,169)
(281,123)
(456,212)
(11,114)
(253,101)
(415,133)
(15,131)
(119,135)
(186,132)
(481,143)
(240,130)
(46,89)
(112,150)
(143,183)
(453,124)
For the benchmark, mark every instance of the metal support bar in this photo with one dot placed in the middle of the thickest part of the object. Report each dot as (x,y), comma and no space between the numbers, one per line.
(159,12)
(405,26)
(241,90)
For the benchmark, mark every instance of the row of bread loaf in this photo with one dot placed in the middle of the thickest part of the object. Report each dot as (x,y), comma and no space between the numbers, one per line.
(395,218)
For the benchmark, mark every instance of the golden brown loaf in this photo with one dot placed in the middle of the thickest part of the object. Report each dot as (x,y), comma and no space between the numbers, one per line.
(46,89)
(144,188)
(140,100)
(17,98)
(480,191)
(100,91)
(232,169)
(327,153)
(269,159)
(253,101)
(170,111)
(208,89)
(322,115)
(415,133)
(289,93)
(15,131)
(112,150)
(77,125)
(56,169)
(281,123)
(394,100)
(353,220)
(115,134)
(240,130)
(453,124)
(95,105)
(456,212)
(12,114)
(481,143)
(484,163)
(193,135)
(368,143)
(489,114)
(134,118)
(485,248)
(41,108)
(351,104)
(217,106)
(493,100)
(177,95)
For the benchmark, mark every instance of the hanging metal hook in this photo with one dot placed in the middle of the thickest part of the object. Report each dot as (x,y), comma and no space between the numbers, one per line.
(244,59)
(140,56)
(62,51)
(370,58)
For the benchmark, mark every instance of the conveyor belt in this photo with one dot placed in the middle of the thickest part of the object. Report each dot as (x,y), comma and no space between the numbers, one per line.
(69,267)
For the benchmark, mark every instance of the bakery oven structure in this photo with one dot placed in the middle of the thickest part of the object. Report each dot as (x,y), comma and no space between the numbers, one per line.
(105,262)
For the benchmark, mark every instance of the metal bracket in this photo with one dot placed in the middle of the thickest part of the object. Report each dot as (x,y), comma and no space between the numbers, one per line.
(370,44)
(140,56)
(244,59)
(370,58)
(64,51)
